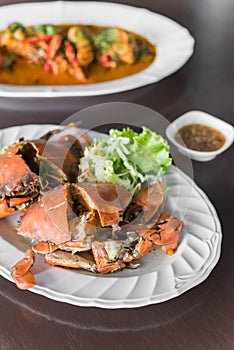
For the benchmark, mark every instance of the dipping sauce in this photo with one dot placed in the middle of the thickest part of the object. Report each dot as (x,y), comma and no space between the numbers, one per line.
(200,137)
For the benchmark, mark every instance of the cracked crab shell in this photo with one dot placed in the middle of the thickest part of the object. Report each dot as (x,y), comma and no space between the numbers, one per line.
(46,219)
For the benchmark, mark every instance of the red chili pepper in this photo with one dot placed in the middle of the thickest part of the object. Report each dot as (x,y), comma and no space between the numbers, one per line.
(52,50)
(38,39)
(47,66)
(70,53)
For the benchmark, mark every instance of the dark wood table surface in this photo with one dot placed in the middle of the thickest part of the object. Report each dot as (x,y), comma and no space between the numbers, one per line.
(202,318)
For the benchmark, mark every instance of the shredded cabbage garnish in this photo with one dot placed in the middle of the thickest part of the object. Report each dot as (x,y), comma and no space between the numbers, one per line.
(126,158)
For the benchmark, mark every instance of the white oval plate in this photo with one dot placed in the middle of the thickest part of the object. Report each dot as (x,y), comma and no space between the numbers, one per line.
(159,278)
(174,43)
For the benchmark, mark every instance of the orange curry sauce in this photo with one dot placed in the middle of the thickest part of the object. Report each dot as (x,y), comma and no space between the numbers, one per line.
(26,73)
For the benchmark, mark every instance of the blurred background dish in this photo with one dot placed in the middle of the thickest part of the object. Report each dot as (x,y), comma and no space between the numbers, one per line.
(174,43)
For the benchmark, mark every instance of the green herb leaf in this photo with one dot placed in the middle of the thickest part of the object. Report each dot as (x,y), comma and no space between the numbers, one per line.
(14,26)
(126,158)
(50,30)
(45,28)
(8,61)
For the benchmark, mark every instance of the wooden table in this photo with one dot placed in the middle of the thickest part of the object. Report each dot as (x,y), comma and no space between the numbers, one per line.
(202,318)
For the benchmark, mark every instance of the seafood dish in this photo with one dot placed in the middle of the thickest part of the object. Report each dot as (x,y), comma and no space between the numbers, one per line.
(70,54)
(96,206)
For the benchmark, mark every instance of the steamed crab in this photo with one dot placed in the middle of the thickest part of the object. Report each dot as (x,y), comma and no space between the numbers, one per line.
(99,227)
(71,229)
(29,165)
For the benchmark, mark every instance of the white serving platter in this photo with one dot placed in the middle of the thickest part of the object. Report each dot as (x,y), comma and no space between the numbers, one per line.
(159,278)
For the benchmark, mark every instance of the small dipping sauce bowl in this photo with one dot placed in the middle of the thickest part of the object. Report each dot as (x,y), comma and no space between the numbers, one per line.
(200,117)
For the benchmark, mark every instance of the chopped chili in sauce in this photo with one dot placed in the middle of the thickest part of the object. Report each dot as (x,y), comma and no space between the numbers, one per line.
(200,137)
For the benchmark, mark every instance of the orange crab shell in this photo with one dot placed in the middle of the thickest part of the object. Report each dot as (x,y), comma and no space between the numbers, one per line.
(46,219)
(150,199)
(64,152)
(106,198)
(169,228)
(14,171)
(5,210)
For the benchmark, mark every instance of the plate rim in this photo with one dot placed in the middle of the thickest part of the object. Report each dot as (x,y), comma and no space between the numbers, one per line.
(138,302)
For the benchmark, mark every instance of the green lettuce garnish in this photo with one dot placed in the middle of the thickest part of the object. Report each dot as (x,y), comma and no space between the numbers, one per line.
(126,158)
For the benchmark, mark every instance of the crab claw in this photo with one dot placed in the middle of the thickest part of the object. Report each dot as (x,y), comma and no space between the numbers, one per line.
(104,258)
(167,230)
(142,248)
(165,233)
(5,209)
(23,266)
(27,281)
(21,271)
(147,202)
(18,184)
(113,255)
(107,199)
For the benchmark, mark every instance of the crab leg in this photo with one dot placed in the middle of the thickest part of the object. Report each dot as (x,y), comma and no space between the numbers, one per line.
(44,247)
(65,259)
(24,279)
(77,246)
(113,255)
(21,273)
